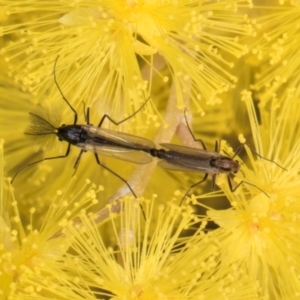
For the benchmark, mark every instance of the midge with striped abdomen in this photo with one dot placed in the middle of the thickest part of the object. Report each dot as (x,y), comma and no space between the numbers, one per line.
(94,139)
(187,159)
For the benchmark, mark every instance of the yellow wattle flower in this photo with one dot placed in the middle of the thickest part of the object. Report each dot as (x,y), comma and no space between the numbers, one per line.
(113,50)
(278,51)
(260,232)
(32,244)
(150,259)
(112,56)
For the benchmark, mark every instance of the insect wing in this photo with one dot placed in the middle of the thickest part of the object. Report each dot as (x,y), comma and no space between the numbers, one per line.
(188,159)
(121,138)
(187,165)
(131,155)
(189,151)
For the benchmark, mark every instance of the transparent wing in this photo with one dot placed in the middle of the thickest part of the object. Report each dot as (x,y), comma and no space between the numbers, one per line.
(187,159)
(200,153)
(131,155)
(187,164)
(120,138)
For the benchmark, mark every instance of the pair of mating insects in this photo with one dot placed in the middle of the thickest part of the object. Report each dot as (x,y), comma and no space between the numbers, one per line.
(135,149)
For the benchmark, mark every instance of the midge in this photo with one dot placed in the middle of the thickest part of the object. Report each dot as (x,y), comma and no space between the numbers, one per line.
(187,159)
(90,138)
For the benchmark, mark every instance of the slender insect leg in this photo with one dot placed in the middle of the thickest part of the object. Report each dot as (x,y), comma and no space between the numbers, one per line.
(122,179)
(191,187)
(124,120)
(86,114)
(191,132)
(55,80)
(117,175)
(233,189)
(77,161)
(213,183)
(47,158)
(217,146)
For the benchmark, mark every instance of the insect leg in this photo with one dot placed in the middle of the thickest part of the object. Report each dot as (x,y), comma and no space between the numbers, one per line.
(217,146)
(47,158)
(124,120)
(191,187)
(233,189)
(55,80)
(117,175)
(191,132)
(213,183)
(86,114)
(121,178)
(77,161)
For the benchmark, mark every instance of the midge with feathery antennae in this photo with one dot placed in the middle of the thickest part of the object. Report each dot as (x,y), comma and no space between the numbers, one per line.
(187,159)
(90,138)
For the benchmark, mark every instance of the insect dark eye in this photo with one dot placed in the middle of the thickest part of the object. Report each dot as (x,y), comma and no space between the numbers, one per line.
(60,139)
(63,125)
